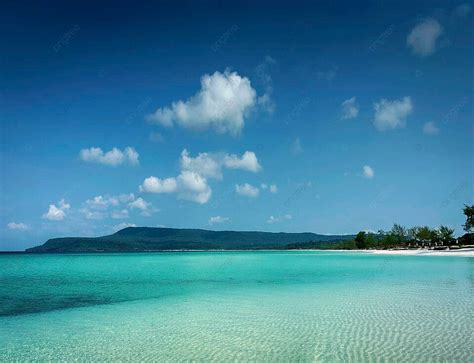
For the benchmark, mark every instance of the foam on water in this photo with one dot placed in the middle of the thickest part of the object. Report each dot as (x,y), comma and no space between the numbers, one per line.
(246,306)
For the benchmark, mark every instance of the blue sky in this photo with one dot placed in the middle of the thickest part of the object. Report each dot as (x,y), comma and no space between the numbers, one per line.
(330,118)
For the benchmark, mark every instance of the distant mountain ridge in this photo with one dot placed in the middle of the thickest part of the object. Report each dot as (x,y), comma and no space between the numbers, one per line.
(142,239)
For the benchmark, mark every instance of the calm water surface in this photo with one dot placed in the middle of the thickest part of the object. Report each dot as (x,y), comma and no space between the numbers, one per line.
(227,306)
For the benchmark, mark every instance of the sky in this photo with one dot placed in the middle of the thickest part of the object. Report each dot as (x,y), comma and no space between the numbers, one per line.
(327,117)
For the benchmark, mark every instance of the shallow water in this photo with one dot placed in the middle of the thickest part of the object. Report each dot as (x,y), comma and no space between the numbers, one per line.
(221,306)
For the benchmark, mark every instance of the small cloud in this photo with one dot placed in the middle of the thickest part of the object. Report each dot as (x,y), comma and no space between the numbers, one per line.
(277,219)
(142,205)
(430,128)
(156,185)
(217,220)
(392,114)
(350,108)
(210,165)
(91,214)
(368,172)
(422,39)
(247,190)
(248,162)
(273,189)
(57,213)
(113,157)
(17,226)
(188,185)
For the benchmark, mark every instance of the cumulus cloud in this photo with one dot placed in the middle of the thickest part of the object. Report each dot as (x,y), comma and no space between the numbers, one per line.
(350,108)
(217,220)
(273,189)
(248,161)
(210,165)
(17,226)
(247,190)
(392,114)
(144,206)
(57,212)
(204,164)
(430,128)
(423,37)
(188,185)
(193,187)
(113,157)
(368,172)
(223,103)
(276,219)
(192,182)
(156,185)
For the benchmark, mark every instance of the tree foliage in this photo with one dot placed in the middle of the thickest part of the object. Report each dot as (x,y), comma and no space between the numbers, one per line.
(468,211)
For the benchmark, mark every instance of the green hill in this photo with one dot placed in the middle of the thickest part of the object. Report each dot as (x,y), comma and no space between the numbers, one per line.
(141,239)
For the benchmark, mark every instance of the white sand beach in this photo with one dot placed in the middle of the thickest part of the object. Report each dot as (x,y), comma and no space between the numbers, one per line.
(464,252)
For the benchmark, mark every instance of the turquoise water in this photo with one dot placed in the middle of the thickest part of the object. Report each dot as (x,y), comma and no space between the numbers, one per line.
(236,306)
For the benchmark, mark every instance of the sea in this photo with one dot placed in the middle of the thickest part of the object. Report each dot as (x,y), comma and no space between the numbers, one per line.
(259,306)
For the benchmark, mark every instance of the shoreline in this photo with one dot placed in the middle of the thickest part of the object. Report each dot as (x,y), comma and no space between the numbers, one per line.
(463,252)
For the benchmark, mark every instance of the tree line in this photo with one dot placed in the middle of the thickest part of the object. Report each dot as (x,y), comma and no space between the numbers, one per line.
(415,237)
(402,237)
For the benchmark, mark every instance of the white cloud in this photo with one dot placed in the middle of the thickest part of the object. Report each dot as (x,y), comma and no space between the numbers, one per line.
(121,226)
(18,226)
(191,184)
(57,213)
(204,164)
(193,187)
(217,220)
(276,219)
(210,165)
(113,157)
(104,202)
(222,103)
(430,128)
(273,189)
(188,185)
(350,108)
(97,207)
(368,172)
(248,162)
(422,39)
(462,10)
(392,114)
(91,214)
(247,190)
(142,205)
(156,185)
